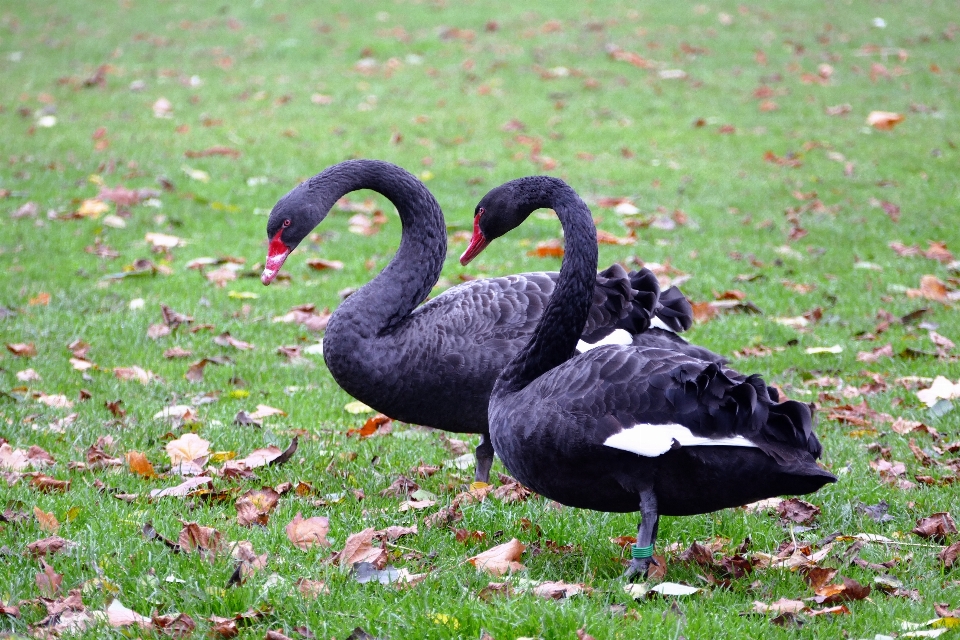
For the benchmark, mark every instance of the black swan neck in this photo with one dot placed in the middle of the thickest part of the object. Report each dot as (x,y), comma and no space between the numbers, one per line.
(404,283)
(555,337)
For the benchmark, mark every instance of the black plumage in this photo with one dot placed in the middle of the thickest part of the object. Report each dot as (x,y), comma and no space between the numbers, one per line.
(435,363)
(627,428)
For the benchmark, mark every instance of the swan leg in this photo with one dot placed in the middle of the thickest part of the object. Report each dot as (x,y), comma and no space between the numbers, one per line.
(484,456)
(646,537)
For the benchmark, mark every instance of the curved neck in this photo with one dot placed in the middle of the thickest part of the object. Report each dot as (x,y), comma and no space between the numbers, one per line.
(555,337)
(408,278)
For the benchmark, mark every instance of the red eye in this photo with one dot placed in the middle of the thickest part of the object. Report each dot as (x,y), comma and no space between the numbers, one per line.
(286,222)
(480,211)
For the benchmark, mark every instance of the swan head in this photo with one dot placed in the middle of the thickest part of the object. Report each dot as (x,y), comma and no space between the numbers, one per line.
(291,220)
(505,208)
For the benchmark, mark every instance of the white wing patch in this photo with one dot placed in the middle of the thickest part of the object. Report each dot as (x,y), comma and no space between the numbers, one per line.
(617,336)
(652,440)
(657,323)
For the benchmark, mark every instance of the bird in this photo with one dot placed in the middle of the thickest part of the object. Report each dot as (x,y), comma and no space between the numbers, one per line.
(626,428)
(434,364)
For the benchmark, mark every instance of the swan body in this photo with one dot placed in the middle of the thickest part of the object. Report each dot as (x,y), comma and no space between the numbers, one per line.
(623,427)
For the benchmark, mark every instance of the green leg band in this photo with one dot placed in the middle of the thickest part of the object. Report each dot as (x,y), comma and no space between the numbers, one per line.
(639,552)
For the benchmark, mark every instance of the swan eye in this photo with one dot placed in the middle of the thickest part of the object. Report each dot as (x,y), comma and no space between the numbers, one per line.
(286,222)
(480,211)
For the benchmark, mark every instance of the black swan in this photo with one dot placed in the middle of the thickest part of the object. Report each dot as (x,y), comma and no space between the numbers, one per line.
(435,364)
(622,428)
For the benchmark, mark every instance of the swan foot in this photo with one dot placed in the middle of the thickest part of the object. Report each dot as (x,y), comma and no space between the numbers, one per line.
(484,454)
(639,568)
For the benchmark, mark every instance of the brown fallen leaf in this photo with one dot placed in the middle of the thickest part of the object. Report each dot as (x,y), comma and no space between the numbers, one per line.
(120,616)
(22,349)
(49,546)
(374,424)
(319,264)
(783,605)
(547,249)
(400,487)
(17,459)
(139,464)
(500,559)
(834,593)
(194,537)
(949,555)
(182,489)
(936,526)
(305,533)
(312,588)
(47,521)
(48,484)
(48,581)
(884,120)
(178,625)
(255,506)
(931,288)
(359,548)
(797,510)
(188,447)
(177,352)
(263,411)
(226,340)
(139,374)
(559,590)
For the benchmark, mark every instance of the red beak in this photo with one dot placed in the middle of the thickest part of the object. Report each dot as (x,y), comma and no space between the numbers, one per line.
(276,255)
(477,243)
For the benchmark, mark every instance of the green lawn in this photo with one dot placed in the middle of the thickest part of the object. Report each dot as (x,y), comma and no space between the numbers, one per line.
(714,115)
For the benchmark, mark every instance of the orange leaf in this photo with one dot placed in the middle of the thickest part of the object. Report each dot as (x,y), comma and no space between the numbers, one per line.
(884,120)
(139,464)
(42,299)
(501,558)
(47,521)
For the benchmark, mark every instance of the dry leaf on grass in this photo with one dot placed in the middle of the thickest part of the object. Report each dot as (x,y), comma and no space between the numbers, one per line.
(936,526)
(500,559)
(182,489)
(305,533)
(49,546)
(263,411)
(797,510)
(17,459)
(139,464)
(48,581)
(47,521)
(884,120)
(255,506)
(188,448)
(359,548)
(136,373)
(120,616)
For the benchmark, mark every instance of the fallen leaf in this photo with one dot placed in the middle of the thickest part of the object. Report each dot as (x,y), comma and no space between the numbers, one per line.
(189,448)
(226,340)
(797,510)
(49,546)
(500,559)
(884,120)
(140,465)
(48,581)
(941,389)
(120,616)
(18,459)
(22,349)
(134,373)
(949,555)
(255,506)
(263,411)
(834,593)
(47,521)
(936,526)
(359,548)
(319,264)
(181,489)
(305,533)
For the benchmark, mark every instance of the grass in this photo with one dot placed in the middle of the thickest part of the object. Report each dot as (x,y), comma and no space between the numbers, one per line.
(611,128)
